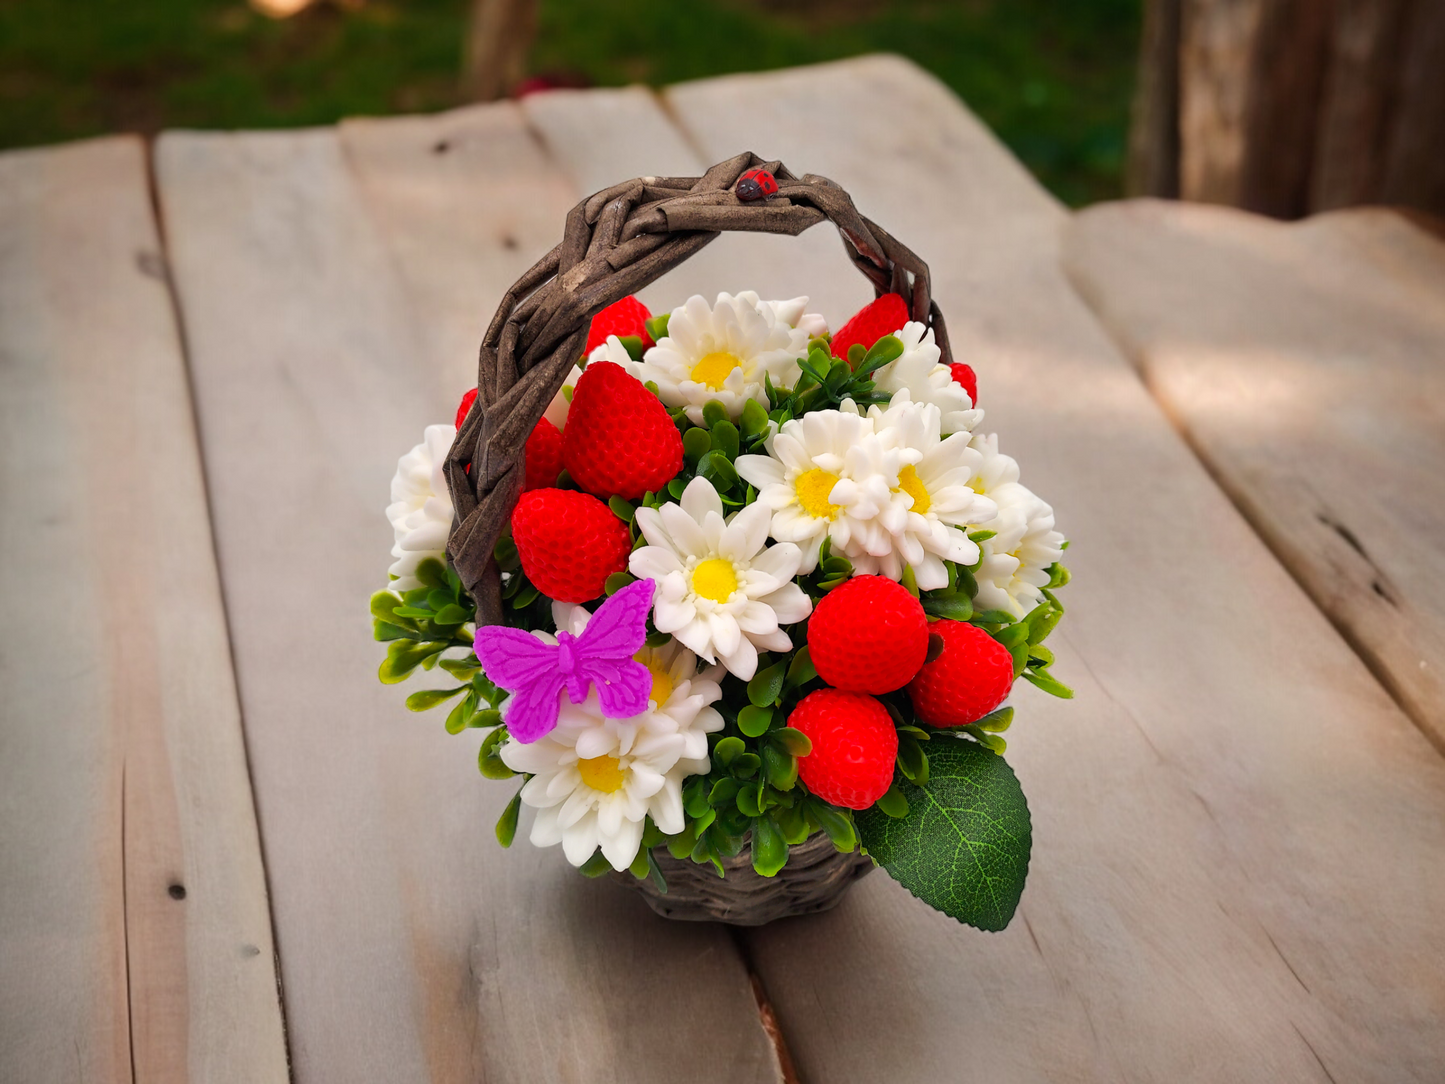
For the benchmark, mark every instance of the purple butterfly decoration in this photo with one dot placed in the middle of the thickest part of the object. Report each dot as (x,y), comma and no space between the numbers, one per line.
(535,673)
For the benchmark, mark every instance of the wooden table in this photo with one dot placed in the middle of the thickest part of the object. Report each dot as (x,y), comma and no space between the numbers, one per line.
(211,355)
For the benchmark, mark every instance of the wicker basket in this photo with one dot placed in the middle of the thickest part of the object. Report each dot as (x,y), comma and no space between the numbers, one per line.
(815,879)
(615,243)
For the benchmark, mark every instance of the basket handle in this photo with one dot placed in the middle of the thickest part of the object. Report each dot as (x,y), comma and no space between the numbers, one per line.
(615,243)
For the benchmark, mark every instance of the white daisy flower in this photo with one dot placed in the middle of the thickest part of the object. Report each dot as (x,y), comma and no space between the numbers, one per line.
(933,504)
(721,590)
(722,352)
(421,506)
(593,785)
(792,313)
(919,372)
(826,476)
(1013,571)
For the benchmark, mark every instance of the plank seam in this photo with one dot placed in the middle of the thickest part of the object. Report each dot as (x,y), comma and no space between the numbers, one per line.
(178,314)
(767,1016)
(125,927)
(1361,650)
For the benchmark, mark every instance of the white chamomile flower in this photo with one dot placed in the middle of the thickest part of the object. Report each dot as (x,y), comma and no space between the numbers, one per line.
(792,313)
(1015,561)
(721,590)
(826,476)
(722,352)
(933,504)
(561,403)
(594,785)
(919,371)
(421,506)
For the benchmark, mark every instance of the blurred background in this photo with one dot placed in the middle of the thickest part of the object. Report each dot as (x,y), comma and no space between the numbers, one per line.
(1280,106)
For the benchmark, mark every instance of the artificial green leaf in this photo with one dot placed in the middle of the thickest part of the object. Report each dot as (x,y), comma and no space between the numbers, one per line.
(487,717)
(633,345)
(433,574)
(793,823)
(745,765)
(767,685)
(887,349)
(656,871)
(725,438)
(770,850)
(724,791)
(955,607)
(893,803)
(452,614)
(507,825)
(616,582)
(383,607)
(1049,685)
(837,823)
(716,468)
(659,639)
(981,536)
(996,722)
(713,412)
(754,419)
(909,580)
(487,759)
(457,720)
(675,488)
(780,767)
(385,631)
(794,741)
(696,443)
(621,508)
(728,750)
(657,326)
(912,760)
(595,866)
(801,669)
(404,656)
(748,800)
(963,847)
(461,669)
(754,721)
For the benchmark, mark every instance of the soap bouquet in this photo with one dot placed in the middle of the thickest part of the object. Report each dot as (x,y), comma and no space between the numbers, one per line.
(763,581)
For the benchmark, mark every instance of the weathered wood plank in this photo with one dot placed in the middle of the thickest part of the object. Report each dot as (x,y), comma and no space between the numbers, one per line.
(327,321)
(1306,365)
(134,931)
(1236,869)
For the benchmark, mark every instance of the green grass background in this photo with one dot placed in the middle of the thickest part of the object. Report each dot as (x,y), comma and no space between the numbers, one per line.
(1051,77)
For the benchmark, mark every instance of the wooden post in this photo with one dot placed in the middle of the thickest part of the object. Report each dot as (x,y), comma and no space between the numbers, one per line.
(1153,168)
(499,37)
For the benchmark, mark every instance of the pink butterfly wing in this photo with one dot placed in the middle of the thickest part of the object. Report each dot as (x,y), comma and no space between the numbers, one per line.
(614,634)
(528,669)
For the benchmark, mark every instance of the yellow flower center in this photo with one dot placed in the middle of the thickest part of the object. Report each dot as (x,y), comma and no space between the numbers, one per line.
(714,369)
(909,482)
(661,682)
(812,488)
(715,579)
(602,773)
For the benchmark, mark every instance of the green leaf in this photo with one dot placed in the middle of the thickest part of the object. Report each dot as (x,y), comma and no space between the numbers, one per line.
(893,803)
(716,468)
(457,720)
(794,741)
(1049,685)
(856,354)
(633,345)
(434,574)
(780,767)
(963,848)
(713,412)
(639,865)
(621,508)
(657,326)
(754,419)
(801,670)
(404,656)
(452,614)
(728,750)
(616,582)
(887,349)
(725,438)
(461,669)
(487,759)
(385,631)
(996,722)
(383,607)
(595,866)
(956,607)
(748,798)
(770,850)
(653,868)
(696,443)
(909,581)
(487,717)
(754,721)
(980,536)
(837,823)
(658,639)
(507,824)
(675,488)
(724,791)
(993,617)
(1041,621)
(745,765)
(912,760)
(767,685)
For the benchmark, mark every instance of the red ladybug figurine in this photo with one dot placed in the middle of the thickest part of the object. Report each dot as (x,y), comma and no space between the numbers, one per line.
(756,184)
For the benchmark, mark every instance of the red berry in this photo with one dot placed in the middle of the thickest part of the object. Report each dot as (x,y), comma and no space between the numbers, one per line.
(868,635)
(870,323)
(544,456)
(621,318)
(964,375)
(465,406)
(854,747)
(619,438)
(968,680)
(569,543)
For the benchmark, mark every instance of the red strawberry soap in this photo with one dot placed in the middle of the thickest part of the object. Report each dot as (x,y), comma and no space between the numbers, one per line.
(966,378)
(569,543)
(544,456)
(854,747)
(868,635)
(870,323)
(621,318)
(968,680)
(619,439)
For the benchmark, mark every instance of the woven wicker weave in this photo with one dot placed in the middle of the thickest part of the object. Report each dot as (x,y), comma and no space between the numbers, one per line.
(815,879)
(615,243)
